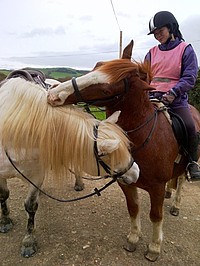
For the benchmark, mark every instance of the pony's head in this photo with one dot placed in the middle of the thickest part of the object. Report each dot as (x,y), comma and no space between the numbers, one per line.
(106,80)
(63,136)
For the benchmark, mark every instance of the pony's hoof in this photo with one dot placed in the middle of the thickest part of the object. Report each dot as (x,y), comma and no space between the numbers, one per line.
(130,247)
(168,195)
(79,187)
(174,211)
(29,246)
(6,225)
(151,256)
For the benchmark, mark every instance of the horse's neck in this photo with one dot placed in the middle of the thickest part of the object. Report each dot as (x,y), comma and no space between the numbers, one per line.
(135,110)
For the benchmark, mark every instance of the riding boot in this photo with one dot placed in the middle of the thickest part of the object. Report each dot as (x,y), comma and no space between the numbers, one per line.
(193,166)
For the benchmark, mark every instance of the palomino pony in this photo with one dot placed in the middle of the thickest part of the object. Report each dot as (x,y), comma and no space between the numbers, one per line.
(42,140)
(119,85)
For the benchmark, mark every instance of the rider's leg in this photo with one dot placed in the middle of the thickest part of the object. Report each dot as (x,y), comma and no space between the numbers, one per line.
(193,141)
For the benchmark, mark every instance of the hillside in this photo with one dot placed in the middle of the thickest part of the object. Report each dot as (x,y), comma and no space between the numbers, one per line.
(54,73)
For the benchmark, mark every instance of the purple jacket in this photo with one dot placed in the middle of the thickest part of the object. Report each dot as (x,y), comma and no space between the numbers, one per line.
(189,72)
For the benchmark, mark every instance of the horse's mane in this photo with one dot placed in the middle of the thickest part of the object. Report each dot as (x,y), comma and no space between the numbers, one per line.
(119,69)
(63,135)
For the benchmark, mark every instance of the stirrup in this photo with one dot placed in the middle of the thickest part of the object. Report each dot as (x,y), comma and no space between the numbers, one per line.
(191,177)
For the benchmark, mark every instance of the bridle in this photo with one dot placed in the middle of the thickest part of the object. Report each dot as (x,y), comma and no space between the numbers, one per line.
(114,98)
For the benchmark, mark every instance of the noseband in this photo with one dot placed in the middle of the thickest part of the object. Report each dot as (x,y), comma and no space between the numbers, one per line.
(103,164)
(116,97)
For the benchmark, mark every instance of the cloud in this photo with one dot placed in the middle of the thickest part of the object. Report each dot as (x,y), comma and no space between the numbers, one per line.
(39,32)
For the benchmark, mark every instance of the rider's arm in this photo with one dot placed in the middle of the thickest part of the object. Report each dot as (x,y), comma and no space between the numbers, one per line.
(189,72)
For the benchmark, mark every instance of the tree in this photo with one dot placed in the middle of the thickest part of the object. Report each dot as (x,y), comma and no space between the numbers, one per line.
(194,94)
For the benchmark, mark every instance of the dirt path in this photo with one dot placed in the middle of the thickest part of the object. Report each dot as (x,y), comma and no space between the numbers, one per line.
(93,231)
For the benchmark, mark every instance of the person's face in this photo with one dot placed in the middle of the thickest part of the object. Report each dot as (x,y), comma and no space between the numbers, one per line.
(162,34)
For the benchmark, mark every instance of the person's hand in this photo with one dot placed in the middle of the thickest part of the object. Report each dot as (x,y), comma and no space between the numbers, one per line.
(168,98)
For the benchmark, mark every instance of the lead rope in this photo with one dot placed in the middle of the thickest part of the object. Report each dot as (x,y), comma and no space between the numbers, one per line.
(96,190)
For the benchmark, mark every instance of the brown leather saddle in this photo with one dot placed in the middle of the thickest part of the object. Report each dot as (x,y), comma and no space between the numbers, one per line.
(30,75)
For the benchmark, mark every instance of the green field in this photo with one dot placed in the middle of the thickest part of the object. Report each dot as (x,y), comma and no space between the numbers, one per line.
(54,73)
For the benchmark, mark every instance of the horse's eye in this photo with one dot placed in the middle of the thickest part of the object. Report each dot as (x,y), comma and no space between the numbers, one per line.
(105,92)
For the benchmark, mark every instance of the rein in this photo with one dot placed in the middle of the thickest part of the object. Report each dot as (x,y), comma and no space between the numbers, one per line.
(97,191)
(155,117)
(117,97)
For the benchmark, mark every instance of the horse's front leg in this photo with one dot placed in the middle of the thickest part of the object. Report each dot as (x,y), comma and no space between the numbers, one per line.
(156,216)
(29,243)
(132,201)
(5,221)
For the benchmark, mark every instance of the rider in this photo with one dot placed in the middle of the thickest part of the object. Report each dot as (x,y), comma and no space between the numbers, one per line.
(175,69)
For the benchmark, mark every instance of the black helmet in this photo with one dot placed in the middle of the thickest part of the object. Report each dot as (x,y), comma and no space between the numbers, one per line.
(161,19)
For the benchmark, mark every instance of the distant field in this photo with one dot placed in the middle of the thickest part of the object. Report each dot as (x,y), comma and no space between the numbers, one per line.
(55,73)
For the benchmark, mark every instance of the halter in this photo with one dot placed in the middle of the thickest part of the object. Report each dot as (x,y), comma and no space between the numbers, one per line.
(96,102)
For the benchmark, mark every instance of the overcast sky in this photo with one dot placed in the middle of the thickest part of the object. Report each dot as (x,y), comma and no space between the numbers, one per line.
(79,33)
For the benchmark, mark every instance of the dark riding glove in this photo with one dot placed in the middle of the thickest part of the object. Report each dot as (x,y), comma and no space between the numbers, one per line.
(168,97)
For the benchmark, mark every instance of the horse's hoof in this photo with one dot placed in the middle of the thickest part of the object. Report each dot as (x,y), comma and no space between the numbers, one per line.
(168,195)
(130,247)
(29,246)
(151,256)
(28,252)
(79,187)
(6,225)
(174,211)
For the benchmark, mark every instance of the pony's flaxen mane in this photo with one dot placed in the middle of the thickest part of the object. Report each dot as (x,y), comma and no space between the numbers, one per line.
(119,69)
(63,135)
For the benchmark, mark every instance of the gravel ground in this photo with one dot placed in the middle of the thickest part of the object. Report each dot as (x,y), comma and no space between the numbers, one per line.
(93,231)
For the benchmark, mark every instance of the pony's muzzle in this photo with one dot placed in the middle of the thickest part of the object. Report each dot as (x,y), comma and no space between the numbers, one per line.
(132,175)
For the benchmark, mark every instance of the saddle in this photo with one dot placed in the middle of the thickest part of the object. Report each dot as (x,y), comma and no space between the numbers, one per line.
(177,123)
(30,75)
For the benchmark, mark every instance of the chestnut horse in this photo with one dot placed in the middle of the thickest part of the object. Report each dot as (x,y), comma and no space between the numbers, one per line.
(119,85)
(42,140)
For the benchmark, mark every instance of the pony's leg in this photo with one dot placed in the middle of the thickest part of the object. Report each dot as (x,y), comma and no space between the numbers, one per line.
(174,210)
(156,216)
(79,185)
(132,201)
(5,221)
(29,243)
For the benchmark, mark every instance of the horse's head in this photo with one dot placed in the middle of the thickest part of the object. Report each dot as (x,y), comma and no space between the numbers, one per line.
(106,82)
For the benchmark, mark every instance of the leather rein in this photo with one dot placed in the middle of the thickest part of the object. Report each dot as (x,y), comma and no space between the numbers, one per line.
(115,175)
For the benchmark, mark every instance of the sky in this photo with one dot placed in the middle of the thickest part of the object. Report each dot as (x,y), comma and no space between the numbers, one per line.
(79,33)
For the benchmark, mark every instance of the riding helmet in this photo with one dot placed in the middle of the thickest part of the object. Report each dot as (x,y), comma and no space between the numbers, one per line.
(161,19)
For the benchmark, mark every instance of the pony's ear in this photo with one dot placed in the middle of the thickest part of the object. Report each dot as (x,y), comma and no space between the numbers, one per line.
(127,53)
(107,146)
(113,118)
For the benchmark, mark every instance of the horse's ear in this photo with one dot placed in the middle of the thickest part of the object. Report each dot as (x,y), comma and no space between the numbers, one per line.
(107,145)
(113,118)
(127,53)
(98,64)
